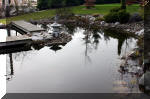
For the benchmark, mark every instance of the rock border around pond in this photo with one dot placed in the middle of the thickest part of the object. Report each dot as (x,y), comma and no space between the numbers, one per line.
(62,39)
(136,28)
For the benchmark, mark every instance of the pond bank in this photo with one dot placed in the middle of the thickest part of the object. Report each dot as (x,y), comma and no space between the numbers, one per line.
(62,39)
(35,41)
(136,28)
(87,21)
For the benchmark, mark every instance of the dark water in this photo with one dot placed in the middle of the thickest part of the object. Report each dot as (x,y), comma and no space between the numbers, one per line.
(87,64)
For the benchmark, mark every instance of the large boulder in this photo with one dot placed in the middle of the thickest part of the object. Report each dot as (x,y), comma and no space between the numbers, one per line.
(136,17)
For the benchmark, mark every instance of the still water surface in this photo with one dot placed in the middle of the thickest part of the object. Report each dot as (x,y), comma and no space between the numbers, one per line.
(84,65)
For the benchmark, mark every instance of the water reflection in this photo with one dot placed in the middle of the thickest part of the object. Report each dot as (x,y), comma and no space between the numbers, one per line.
(70,28)
(8,32)
(55,48)
(10,71)
(65,71)
(120,37)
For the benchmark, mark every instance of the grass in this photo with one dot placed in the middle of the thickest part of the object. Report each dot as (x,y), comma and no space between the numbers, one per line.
(101,9)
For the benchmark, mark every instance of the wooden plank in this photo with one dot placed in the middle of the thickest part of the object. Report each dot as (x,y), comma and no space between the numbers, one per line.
(26,26)
(15,41)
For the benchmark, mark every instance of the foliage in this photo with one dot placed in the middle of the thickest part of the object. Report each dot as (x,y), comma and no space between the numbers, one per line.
(73,2)
(57,3)
(117,15)
(47,4)
(112,17)
(123,16)
(44,4)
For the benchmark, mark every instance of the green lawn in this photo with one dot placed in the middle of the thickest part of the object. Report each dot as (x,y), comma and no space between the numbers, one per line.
(101,9)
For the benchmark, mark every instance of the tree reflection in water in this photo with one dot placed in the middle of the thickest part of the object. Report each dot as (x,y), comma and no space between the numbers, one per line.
(55,48)
(70,28)
(93,36)
(121,37)
(10,70)
(16,57)
(91,41)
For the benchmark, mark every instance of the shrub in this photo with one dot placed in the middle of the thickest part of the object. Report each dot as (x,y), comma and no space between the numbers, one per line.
(111,17)
(123,16)
(44,4)
(117,15)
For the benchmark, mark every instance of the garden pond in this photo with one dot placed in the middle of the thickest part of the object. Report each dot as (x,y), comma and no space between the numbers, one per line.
(89,63)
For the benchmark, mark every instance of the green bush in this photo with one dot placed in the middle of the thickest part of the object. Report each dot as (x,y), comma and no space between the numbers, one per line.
(117,15)
(123,16)
(111,17)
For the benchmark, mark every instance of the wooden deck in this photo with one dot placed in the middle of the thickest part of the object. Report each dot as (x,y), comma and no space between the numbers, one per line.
(15,41)
(26,26)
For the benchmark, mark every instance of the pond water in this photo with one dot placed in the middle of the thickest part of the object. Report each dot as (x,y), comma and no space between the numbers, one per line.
(87,64)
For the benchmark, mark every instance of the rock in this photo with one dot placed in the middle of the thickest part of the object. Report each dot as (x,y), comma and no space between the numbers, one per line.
(96,15)
(102,22)
(146,61)
(136,17)
(117,23)
(128,30)
(123,57)
(141,32)
(92,18)
(148,53)
(132,55)
(106,24)
(145,80)
(37,37)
